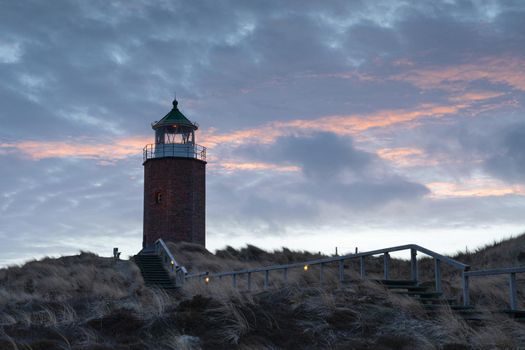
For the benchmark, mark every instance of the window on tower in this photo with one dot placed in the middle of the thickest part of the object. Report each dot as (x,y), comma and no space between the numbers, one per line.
(158,197)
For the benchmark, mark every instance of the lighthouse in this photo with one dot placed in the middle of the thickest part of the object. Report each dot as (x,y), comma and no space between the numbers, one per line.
(174,182)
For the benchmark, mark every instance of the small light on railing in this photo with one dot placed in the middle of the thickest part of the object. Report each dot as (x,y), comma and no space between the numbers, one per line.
(207,280)
(305,268)
(172,263)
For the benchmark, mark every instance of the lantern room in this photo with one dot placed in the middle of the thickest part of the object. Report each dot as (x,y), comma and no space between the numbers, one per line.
(174,137)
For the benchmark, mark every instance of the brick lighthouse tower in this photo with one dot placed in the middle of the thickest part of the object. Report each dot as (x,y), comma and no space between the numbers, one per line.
(174,182)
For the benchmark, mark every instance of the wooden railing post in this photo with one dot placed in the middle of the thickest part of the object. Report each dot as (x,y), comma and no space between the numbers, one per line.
(234,280)
(413,265)
(437,274)
(341,271)
(249,280)
(362,267)
(285,275)
(512,290)
(386,266)
(266,278)
(466,291)
(321,268)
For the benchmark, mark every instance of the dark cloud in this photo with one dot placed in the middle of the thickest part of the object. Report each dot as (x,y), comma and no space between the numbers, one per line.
(333,173)
(321,156)
(507,159)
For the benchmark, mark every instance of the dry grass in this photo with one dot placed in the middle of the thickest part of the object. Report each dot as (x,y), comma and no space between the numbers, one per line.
(89,302)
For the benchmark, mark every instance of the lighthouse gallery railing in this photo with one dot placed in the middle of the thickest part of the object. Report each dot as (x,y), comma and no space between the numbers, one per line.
(185,150)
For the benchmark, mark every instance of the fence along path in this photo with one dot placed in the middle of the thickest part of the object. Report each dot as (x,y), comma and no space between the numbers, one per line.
(509,271)
(464,270)
(340,260)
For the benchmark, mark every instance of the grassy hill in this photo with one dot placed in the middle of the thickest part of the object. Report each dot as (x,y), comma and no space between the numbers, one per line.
(90,302)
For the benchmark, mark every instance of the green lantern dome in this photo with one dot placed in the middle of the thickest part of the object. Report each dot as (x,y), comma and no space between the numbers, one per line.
(174,118)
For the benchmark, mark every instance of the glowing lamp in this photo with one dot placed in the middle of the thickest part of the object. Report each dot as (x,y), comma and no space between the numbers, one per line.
(305,268)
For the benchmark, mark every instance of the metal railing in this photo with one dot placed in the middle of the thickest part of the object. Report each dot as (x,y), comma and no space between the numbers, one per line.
(414,272)
(510,271)
(162,250)
(185,150)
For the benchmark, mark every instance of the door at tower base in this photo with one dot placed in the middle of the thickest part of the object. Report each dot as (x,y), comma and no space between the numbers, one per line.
(174,200)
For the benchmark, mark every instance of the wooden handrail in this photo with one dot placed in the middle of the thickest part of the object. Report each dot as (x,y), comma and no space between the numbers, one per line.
(414,248)
(510,271)
(492,272)
(339,258)
(164,252)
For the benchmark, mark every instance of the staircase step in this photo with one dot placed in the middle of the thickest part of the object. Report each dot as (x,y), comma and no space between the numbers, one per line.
(153,272)
(419,294)
(517,314)
(397,282)
(445,301)
(410,288)
(459,308)
(166,280)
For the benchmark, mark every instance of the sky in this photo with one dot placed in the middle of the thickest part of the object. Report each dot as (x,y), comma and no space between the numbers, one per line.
(328,123)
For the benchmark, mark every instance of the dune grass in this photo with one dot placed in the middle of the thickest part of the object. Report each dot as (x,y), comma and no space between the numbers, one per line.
(89,302)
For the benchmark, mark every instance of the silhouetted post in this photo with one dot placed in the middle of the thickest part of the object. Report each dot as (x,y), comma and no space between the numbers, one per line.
(437,273)
(234,280)
(413,264)
(249,280)
(513,294)
(386,266)
(266,278)
(179,277)
(341,271)
(466,292)
(285,275)
(116,253)
(363,271)
(321,268)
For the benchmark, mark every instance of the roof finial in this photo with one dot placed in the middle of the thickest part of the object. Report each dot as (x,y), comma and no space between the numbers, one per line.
(175,102)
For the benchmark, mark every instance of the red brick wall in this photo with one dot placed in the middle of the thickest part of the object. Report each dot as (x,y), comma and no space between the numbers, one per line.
(180,215)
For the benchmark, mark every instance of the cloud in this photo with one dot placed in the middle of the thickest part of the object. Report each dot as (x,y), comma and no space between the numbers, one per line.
(496,70)
(473,188)
(507,160)
(321,156)
(334,169)
(10,52)
(348,125)
(407,157)
(59,206)
(251,166)
(84,149)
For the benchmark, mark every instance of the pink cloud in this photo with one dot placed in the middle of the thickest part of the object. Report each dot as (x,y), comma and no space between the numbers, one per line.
(117,149)
(484,187)
(406,157)
(509,71)
(253,166)
(344,125)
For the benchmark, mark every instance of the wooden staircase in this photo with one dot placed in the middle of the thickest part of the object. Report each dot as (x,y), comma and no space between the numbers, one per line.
(433,302)
(153,272)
